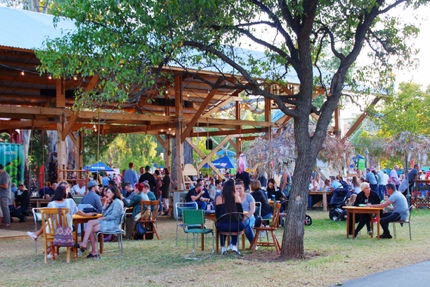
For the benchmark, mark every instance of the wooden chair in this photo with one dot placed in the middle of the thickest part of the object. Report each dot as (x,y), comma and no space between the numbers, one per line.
(271,228)
(50,222)
(402,222)
(187,171)
(148,217)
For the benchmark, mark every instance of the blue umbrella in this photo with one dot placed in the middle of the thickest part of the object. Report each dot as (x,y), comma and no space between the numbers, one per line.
(223,162)
(97,167)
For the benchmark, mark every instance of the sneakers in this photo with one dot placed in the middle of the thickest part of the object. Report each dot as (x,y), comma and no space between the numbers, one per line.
(223,251)
(234,249)
(32,235)
(49,256)
(230,247)
(370,232)
(254,247)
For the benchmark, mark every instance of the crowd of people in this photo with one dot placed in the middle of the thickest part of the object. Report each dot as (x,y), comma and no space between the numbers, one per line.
(108,195)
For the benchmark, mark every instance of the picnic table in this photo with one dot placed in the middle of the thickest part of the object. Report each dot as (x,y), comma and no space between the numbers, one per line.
(324,197)
(353,210)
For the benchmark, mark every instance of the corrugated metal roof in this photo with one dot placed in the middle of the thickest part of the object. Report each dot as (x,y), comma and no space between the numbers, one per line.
(27,30)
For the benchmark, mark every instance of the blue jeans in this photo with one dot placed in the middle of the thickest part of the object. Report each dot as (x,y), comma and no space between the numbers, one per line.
(248,230)
(386,218)
(229,227)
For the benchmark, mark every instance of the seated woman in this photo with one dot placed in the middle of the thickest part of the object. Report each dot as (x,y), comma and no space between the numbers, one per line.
(60,200)
(248,205)
(228,202)
(112,211)
(365,197)
(257,193)
(272,191)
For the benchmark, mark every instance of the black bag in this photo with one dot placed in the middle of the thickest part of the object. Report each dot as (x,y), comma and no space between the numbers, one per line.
(140,229)
(89,210)
(258,221)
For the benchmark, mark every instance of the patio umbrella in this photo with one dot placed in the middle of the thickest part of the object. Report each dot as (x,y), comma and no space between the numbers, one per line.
(223,162)
(97,167)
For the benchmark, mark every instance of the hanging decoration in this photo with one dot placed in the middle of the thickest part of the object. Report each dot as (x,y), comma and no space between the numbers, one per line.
(274,153)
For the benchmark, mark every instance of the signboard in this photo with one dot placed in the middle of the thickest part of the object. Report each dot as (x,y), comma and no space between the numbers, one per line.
(12,158)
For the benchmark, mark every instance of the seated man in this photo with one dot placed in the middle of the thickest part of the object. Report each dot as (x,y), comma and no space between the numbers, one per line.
(24,199)
(92,197)
(79,188)
(197,195)
(128,192)
(135,203)
(48,191)
(400,212)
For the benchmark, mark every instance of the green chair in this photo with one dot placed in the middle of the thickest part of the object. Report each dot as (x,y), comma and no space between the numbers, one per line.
(191,219)
(178,214)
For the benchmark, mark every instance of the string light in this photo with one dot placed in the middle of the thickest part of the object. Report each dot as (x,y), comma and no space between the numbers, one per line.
(75,78)
(22,73)
(50,77)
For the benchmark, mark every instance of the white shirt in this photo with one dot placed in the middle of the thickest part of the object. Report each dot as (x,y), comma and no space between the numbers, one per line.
(78,190)
(385,179)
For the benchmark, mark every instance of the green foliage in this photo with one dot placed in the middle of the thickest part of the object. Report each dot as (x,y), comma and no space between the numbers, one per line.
(94,146)
(137,148)
(405,111)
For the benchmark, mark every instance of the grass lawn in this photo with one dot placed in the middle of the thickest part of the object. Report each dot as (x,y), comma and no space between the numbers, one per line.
(332,259)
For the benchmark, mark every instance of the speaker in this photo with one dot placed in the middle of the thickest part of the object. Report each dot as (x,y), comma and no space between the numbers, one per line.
(209,144)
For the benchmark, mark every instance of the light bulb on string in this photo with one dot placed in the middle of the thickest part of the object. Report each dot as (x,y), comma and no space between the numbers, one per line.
(22,73)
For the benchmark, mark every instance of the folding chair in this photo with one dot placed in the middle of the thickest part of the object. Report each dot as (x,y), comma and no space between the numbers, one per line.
(191,219)
(401,222)
(119,232)
(178,212)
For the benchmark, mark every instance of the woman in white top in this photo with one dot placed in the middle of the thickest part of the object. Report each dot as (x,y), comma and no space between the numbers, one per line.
(60,200)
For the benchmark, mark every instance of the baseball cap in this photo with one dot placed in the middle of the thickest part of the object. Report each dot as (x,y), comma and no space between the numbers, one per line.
(91,183)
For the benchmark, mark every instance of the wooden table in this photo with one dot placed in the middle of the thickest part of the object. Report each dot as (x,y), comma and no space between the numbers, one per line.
(324,197)
(80,219)
(353,210)
(39,201)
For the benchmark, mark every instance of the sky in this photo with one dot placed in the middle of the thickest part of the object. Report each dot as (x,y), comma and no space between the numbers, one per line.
(422,74)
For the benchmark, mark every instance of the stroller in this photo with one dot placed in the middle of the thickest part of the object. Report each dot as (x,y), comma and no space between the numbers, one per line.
(338,199)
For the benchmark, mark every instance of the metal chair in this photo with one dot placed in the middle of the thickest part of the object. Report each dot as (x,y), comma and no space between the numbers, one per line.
(191,219)
(179,208)
(50,221)
(271,228)
(37,217)
(119,232)
(237,222)
(401,222)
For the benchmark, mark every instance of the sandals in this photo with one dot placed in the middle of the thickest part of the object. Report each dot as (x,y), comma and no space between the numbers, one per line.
(92,256)
(76,245)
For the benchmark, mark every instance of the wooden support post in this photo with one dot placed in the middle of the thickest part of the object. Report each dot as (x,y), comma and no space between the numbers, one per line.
(179,141)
